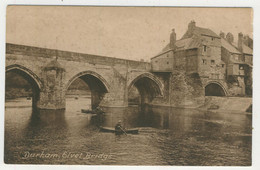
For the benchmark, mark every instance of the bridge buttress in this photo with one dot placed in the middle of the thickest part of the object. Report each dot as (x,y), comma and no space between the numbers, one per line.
(52,96)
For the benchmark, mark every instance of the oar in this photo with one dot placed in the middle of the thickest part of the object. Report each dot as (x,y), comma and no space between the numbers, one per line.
(123,130)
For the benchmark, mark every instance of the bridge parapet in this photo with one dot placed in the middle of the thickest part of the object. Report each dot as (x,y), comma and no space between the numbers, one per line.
(109,78)
(37,52)
(110,73)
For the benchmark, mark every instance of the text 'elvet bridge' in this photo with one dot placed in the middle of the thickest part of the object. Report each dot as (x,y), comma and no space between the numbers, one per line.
(200,63)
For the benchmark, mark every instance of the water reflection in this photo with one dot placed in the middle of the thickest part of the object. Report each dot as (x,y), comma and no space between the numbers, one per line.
(41,118)
(202,125)
(167,136)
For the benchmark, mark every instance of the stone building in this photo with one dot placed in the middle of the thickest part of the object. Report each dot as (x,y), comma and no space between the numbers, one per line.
(239,61)
(235,72)
(221,67)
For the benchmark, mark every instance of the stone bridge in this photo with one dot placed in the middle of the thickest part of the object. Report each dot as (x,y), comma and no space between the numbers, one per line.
(51,72)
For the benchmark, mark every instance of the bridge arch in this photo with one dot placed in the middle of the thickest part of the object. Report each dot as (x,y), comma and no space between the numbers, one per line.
(96,83)
(30,77)
(148,86)
(28,72)
(215,88)
(92,73)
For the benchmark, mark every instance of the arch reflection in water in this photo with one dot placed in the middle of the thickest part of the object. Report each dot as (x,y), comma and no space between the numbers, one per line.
(44,124)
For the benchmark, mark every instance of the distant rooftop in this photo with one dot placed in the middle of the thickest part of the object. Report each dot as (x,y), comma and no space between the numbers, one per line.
(187,42)
(202,31)
(182,44)
(246,49)
(229,47)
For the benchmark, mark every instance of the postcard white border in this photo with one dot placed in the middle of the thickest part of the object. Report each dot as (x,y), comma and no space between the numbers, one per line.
(184,3)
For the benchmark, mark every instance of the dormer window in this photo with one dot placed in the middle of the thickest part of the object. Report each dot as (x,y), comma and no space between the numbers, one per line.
(204,48)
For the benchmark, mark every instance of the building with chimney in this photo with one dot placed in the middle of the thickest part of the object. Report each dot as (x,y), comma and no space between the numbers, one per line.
(239,60)
(221,67)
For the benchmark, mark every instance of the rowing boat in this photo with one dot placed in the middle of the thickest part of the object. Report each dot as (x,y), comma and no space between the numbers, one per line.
(87,111)
(112,130)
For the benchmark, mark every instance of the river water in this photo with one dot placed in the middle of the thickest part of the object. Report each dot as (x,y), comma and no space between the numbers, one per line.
(167,136)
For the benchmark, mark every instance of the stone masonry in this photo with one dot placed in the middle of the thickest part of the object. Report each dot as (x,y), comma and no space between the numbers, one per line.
(186,70)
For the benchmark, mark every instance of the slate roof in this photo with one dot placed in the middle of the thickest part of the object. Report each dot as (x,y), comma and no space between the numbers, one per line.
(246,49)
(199,32)
(229,47)
(187,43)
(204,31)
(182,44)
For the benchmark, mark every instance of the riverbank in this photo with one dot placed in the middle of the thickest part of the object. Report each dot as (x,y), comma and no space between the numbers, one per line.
(231,104)
(221,104)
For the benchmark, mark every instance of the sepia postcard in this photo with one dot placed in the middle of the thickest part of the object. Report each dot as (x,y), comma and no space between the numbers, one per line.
(165,86)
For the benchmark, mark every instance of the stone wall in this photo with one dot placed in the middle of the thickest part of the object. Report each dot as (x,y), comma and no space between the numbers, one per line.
(186,90)
(37,52)
(115,74)
(163,63)
(210,64)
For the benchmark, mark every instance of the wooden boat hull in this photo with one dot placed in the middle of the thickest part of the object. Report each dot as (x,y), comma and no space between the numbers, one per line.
(87,111)
(112,130)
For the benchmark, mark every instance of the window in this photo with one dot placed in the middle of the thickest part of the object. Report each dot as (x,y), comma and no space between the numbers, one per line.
(222,65)
(204,61)
(204,48)
(167,55)
(212,62)
(212,39)
(241,67)
(167,62)
(156,61)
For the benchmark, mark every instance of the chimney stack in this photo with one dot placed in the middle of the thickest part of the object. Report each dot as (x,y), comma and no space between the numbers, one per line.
(192,25)
(240,42)
(172,39)
(222,34)
(230,38)
(248,41)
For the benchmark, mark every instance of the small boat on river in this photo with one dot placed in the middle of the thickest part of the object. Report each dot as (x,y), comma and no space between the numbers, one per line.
(112,130)
(88,111)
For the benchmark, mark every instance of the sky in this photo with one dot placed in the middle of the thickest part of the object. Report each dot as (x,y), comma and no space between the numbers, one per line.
(123,32)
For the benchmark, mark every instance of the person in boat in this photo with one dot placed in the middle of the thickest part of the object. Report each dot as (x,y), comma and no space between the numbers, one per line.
(119,128)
